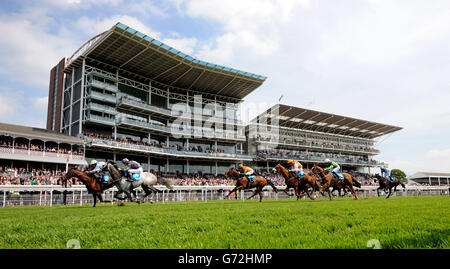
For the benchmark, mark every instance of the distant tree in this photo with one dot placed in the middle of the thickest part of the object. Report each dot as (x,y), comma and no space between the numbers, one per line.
(400,175)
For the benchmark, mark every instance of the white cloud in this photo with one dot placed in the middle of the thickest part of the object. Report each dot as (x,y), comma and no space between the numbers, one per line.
(9,104)
(41,104)
(436,160)
(92,27)
(249,25)
(28,50)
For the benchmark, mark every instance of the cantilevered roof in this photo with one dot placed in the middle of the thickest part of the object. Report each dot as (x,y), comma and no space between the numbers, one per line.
(37,133)
(129,50)
(305,119)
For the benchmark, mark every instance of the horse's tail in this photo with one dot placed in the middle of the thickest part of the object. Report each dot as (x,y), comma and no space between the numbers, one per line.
(165,182)
(403,185)
(271,185)
(355,182)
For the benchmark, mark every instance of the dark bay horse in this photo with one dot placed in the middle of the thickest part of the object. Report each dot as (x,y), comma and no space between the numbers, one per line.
(303,184)
(243,183)
(328,180)
(386,184)
(91,183)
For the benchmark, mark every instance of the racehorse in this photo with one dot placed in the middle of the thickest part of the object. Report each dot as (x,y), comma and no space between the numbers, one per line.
(92,185)
(243,183)
(329,180)
(292,181)
(146,182)
(387,184)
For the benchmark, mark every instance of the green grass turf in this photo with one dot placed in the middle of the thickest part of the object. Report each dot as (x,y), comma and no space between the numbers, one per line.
(397,222)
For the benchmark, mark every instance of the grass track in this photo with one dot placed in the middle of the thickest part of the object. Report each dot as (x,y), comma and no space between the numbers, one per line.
(397,222)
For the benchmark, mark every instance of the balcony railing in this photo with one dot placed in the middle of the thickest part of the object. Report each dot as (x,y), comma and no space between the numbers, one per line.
(328,147)
(102,85)
(194,132)
(319,159)
(153,149)
(29,154)
(127,102)
(101,108)
(103,97)
(100,119)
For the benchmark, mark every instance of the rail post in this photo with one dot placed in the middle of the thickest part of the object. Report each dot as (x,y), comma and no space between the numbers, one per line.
(51,196)
(163,200)
(4,198)
(40,198)
(81,198)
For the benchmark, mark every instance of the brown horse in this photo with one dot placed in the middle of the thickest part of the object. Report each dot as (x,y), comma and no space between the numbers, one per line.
(91,183)
(388,185)
(328,180)
(303,184)
(244,183)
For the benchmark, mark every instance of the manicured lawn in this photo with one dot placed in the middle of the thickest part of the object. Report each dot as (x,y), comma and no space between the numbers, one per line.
(397,222)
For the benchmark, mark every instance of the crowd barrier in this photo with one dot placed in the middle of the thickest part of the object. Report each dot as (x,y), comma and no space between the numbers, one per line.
(49,195)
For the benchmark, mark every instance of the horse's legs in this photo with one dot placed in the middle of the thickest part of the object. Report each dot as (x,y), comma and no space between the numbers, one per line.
(234,190)
(117,196)
(326,187)
(352,190)
(312,191)
(285,191)
(254,193)
(95,198)
(389,194)
(260,196)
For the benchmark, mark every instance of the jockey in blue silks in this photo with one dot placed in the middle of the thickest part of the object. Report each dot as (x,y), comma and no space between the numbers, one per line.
(95,169)
(386,173)
(134,169)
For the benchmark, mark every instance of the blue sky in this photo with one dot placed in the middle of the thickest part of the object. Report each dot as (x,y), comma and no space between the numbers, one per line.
(383,61)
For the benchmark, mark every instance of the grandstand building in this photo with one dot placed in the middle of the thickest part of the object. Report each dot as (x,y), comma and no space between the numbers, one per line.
(128,95)
(29,148)
(285,132)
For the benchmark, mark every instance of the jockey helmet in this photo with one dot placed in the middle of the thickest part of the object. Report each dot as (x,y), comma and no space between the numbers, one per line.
(240,165)
(93,162)
(125,161)
(290,161)
(327,161)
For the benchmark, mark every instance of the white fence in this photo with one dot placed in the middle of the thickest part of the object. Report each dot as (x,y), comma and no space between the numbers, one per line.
(17,195)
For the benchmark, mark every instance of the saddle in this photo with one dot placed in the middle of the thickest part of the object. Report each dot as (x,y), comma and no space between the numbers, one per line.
(251,178)
(391,179)
(300,174)
(102,178)
(336,175)
(132,177)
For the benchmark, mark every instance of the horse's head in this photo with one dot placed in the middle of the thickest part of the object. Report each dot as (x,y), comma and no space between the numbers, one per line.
(113,170)
(68,175)
(232,173)
(274,170)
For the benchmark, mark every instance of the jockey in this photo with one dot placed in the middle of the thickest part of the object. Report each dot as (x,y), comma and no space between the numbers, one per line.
(334,168)
(134,169)
(386,173)
(246,171)
(297,168)
(95,168)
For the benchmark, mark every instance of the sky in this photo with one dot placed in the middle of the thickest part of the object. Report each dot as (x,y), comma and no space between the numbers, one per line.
(383,61)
